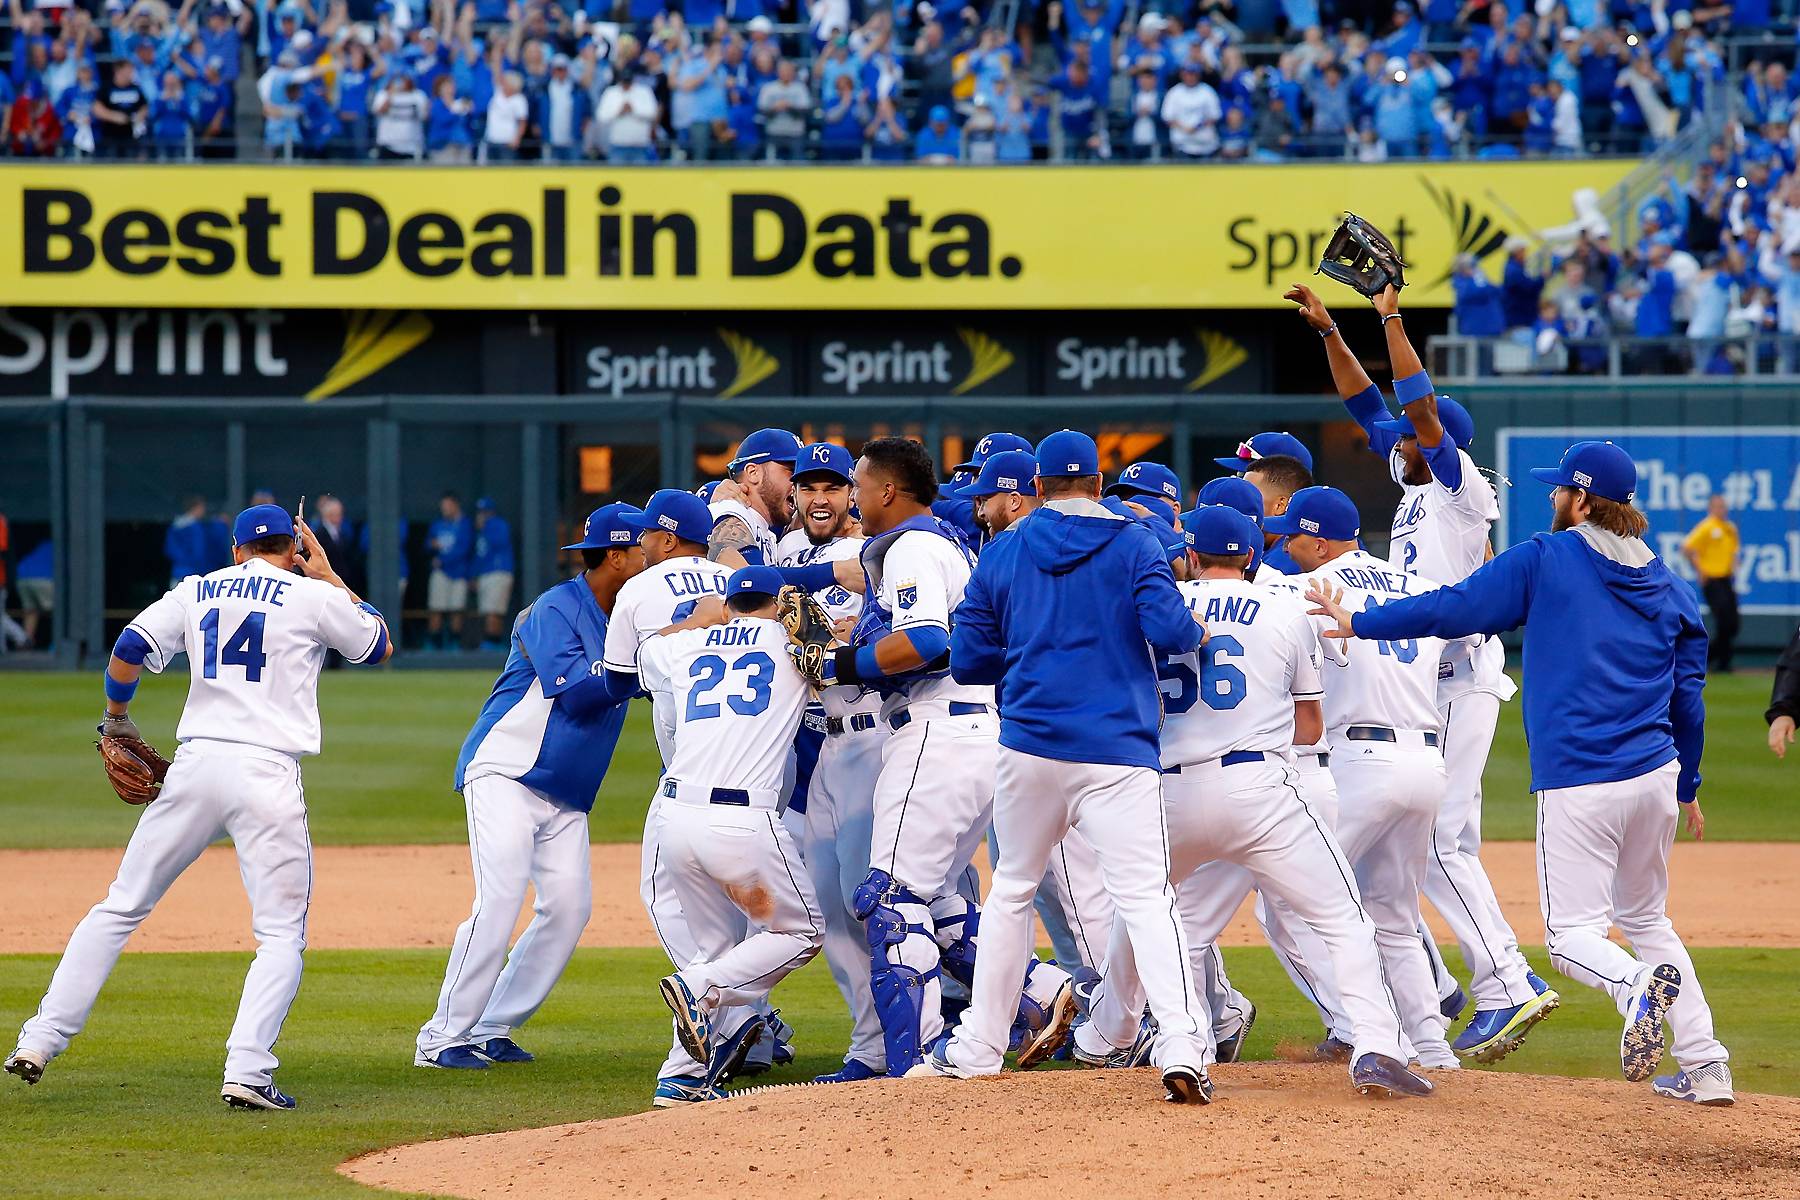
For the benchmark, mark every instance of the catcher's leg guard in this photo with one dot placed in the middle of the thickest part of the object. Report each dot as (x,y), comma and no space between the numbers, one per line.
(903,966)
(956,922)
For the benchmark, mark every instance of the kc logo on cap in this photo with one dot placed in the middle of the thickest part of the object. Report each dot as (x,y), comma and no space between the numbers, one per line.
(1309,525)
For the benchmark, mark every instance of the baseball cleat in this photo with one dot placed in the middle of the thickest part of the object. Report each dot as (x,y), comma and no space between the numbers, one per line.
(937,1061)
(27,1065)
(1230,1049)
(265,1096)
(1494,1033)
(691,1023)
(1452,1005)
(673,1090)
(782,1051)
(1187,1085)
(504,1050)
(453,1058)
(1641,1044)
(731,1057)
(1048,1040)
(1332,1050)
(1709,1085)
(854,1070)
(1387,1078)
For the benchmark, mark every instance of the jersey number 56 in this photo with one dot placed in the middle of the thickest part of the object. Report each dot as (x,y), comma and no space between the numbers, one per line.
(1219,684)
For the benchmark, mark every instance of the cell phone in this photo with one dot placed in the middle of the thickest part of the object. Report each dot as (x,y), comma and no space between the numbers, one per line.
(299,519)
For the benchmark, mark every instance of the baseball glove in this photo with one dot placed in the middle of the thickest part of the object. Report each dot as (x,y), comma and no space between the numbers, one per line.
(809,629)
(1362,256)
(133,767)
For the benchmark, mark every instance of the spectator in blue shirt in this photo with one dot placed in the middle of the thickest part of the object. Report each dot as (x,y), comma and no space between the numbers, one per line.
(1012,134)
(224,38)
(1403,37)
(448,138)
(452,541)
(1477,304)
(939,141)
(319,127)
(1079,112)
(1331,117)
(170,120)
(697,99)
(491,563)
(1540,116)
(847,115)
(1519,288)
(192,544)
(887,134)
(1656,295)
(1511,97)
(355,76)
(215,108)
(1396,116)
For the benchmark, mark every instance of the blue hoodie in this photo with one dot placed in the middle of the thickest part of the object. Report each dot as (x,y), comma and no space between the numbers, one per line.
(1615,653)
(1067,611)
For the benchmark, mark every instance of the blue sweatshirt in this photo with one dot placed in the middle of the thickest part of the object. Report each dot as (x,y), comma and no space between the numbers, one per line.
(1615,654)
(1067,613)
(493,548)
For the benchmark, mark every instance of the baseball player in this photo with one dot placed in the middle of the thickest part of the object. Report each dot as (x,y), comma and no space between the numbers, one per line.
(1259,446)
(840,795)
(1386,757)
(960,510)
(936,788)
(749,515)
(1062,611)
(677,578)
(728,700)
(528,772)
(1072,900)
(1615,666)
(255,635)
(1233,803)
(1278,477)
(1440,531)
(1154,486)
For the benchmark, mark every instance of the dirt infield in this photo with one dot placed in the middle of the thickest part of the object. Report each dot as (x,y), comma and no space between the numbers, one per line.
(382,897)
(1275,1130)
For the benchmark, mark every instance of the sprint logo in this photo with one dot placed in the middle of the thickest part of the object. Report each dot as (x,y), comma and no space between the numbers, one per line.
(925,366)
(1472,230)
(701,370)
(1219,357)
(372,340)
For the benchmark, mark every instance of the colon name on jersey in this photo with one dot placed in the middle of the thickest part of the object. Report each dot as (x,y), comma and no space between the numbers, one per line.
(1385,683)
(728,698)
(255,637)
(1237,691)
(654,599)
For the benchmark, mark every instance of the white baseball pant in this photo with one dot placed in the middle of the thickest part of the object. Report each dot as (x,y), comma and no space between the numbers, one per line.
(213,788)
(1243,824)
(1388,797)
(732,867)
(1076,887)
(1301,954)
(1120,812)
(516,837)
(1455,881)
(1603,860)
(840,813)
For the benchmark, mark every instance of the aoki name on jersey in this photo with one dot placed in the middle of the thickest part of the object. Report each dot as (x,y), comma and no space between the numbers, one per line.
(242,587)
(732,635)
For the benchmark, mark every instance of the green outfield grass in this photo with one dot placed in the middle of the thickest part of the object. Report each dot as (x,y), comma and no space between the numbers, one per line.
(133,1108)
(391,739)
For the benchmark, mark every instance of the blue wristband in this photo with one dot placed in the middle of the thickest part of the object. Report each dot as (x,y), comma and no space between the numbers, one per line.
(116,692)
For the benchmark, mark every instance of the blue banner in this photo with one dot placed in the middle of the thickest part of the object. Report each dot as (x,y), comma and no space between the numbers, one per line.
(1680,468)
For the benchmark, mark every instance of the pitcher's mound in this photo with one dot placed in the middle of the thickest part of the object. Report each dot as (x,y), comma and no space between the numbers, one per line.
(1274,1130)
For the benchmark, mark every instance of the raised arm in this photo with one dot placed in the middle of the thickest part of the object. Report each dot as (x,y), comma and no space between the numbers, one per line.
(1358,392)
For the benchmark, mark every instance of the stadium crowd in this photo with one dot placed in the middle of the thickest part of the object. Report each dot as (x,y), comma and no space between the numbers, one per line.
(1716,260)
(1003,80)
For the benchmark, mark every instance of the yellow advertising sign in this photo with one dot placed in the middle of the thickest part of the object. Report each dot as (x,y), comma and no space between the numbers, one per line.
(1227,236)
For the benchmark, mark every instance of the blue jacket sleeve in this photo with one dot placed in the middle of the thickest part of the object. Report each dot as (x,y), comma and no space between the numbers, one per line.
(1366,408)
(813,577)
(1495,598)
(977,646)
(1163,616)
(553,645)
(1687,707)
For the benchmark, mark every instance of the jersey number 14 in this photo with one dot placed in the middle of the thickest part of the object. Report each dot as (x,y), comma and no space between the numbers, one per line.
(244,648)
(1219,684)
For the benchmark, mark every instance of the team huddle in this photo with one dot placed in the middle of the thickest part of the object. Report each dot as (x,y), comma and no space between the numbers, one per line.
(1148,714)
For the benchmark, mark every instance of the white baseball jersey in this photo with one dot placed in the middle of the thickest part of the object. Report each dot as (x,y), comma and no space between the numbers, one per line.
(1237,692)
(1389,684)
(796,549)
(1443,535)
(759,528)
(729,698)
(920,581)
(255,637)
(654,599)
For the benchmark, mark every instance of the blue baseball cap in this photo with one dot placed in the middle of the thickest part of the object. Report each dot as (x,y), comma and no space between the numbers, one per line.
(754,581)
(1234,491)
(705,491)
(261,521)
(993,443)
(672,510)
(1147,479)
(1174,540)
(766,445)
(607,529)
(824,458)
(1068,452)
(485,504)
(1599,467)
(1322,512)
(1007,471)
(1220,529)
(1262,445)
(1452,415)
